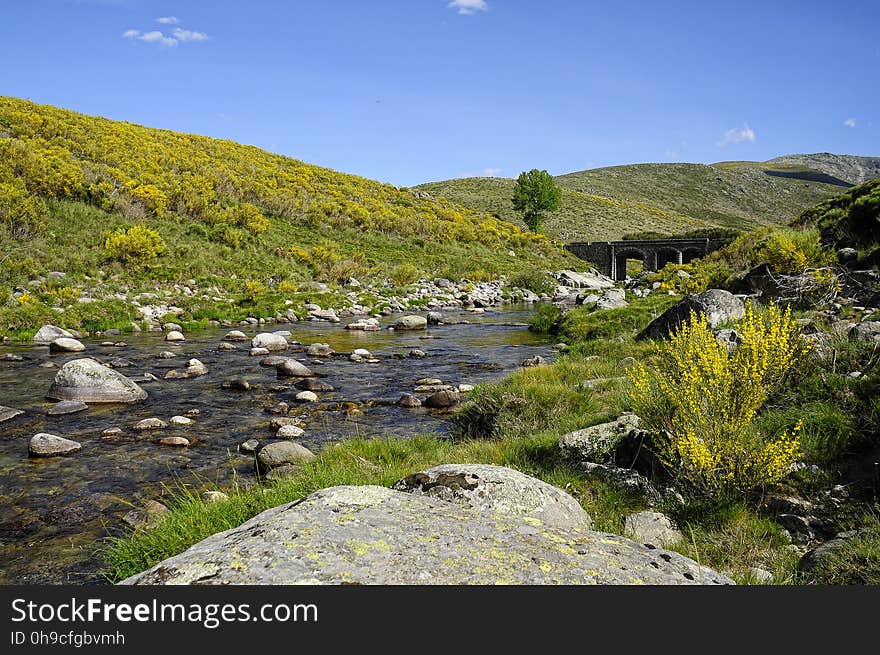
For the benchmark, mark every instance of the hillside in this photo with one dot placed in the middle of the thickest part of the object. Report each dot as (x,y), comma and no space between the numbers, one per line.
(607,203)
(854,170)
(217,214)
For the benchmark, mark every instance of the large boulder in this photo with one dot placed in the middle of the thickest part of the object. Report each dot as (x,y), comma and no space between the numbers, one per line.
(591,279)
(270,341)
(411,322)
(717,305)
(375,535)
(88,381)
(597,443)
(48,333)
(497,489)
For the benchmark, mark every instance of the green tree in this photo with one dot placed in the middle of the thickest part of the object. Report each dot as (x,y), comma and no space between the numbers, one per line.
(535,193)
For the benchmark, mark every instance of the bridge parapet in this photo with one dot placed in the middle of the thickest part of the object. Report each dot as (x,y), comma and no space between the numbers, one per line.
(610,256)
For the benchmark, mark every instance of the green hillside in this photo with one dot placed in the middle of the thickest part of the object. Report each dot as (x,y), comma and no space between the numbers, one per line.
(122,209)
(607,203)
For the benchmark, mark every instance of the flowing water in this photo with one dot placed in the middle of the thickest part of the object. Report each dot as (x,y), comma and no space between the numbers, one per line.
(55,512)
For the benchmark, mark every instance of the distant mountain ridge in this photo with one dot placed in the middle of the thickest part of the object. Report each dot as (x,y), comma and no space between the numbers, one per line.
(674,198)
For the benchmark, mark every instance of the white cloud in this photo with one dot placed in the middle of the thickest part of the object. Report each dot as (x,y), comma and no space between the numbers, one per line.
(167,20)
(737,135)
(188,35)
(178,35)
(491,172)
(467,7)
(849,122)
(158,37)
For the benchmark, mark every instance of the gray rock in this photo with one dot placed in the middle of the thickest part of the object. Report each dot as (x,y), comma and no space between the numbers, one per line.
(409,400)
(249,446)
(90,382)
(166,354)
(279,453)
(591,279)
(442,400)
(537,360)
(717,305)
(626,478)
(498,490)
(865,331)
(225,346)
(50,445)
(435,318)
(235,335)
(306,397)
(270,341)
(9,413)
(175,442)
(294,369)
(374,535)
(728,338)
(364,324)
(411,322)
(417,353)
(67,407)
(319,350)
(48,333)
(149,424)
(598,442)
(175,335)
(214,496)
(313,384)
(66,345)
(651,528)
(289,432)
(324,315)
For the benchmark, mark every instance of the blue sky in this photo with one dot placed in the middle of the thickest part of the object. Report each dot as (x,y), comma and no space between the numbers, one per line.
(408,91)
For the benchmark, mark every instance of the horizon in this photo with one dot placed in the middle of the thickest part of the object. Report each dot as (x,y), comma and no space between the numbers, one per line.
(414,94)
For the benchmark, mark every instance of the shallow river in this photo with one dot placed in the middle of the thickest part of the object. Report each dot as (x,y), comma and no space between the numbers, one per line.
(55,512)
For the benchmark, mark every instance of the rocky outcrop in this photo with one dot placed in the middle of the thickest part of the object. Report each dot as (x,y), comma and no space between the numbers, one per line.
(497,489)
(717,305)
(375,535)
(88,381)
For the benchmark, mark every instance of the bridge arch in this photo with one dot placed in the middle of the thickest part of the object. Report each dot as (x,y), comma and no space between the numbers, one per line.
(668,255)
(690,254)
(622,255)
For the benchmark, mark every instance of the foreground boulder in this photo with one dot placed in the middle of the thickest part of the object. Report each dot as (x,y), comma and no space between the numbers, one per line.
(497,489)
(717,305)
(88,381)
(375,535)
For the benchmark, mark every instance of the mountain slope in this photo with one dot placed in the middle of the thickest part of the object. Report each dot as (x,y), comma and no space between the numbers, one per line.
(122,209)
(607,203)
(853,170)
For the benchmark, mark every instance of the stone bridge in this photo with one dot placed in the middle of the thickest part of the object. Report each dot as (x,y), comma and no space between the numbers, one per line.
(610,256)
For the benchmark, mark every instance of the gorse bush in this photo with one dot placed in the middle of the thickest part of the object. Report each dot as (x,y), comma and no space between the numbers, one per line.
(793,251)
(137,244)
(702,401)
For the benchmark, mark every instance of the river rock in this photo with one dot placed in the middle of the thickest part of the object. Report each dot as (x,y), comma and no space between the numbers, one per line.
(717,305)
(411,322)
(149,424)
(50,445)
(537,360)
(313,384)
(175,335)
(67,407)
(498,490)
(49,333)
(258,352)
(235,335)
(652,529)
(195,368)
(88,381)
(166,354)
(279,453)
(324,315)
(237,384)
(226,346)
(66,345)
(306,397)
(249,446)
(177,442)
(181,421)
(319,350)
(293,369)
(270,341)
(417,353)
(408,400)
(375,535)
(442,400)
(365,324)
(289,432)
(9,413)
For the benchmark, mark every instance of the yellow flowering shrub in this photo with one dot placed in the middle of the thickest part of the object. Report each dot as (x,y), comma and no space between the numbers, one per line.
(701,401)
(136,244)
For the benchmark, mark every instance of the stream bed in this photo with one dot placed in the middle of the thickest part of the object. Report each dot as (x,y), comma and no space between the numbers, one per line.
(56,512)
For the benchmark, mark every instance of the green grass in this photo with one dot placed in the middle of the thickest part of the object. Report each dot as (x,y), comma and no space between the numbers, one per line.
(585,324)
(856,562)
(608,203)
